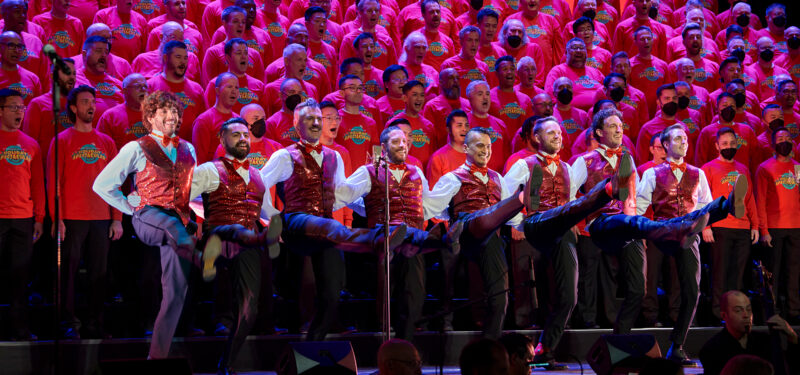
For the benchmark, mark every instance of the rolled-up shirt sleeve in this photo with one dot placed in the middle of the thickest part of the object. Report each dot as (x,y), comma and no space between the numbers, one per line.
(439,199)
(518,174)
(129,159)
(644,191)
(278,169)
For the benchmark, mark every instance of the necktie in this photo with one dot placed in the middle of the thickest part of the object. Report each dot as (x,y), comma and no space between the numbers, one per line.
(610,153)
(482,170)
(166,141)
(241,164)
(682,166)
(397,167)
(317,148)
(551,159)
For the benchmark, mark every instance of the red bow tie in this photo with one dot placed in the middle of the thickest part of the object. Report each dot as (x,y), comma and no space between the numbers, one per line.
(673,166)
(397,167)
(310,147)
(166,141)
(611,153)
(482,170)
(240,164)
(551,159)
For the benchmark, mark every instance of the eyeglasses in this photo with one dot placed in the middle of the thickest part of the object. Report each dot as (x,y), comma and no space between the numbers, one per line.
(332,118)
(355,88)
(14,107)
(17,46)
(401,81)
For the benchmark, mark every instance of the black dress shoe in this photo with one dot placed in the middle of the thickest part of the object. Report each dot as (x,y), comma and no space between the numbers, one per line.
(548,362)
(677,355)
(25,336)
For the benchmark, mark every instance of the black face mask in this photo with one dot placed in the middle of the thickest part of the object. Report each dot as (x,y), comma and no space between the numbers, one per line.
(743,20)
(683,102)
(292,101)
(740,98)
(793,42)
(670,109)
(616,94)
(783,148)
(258,128)
(652,12)
(775,124)
(514,41)
(779,21)
(564,96)
(728,153)
(591,14)
(727,114)
(739,54)
(766,55)
(476,4)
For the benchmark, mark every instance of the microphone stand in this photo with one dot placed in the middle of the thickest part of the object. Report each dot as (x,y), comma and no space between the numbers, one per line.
(387,263)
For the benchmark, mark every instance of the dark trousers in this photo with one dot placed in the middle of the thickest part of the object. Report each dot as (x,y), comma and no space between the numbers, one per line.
(729,254)
(157,227)
(783,260)
(590,260)
(523,259)
(564,260)
(16,247)
(407,278)
(245,272)
(660,266)
(87,239)
(687,265)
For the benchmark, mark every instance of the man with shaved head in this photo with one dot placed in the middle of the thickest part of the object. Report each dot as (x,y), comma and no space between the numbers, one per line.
(128,27)
(398,357)
(64,32)
(123,122)
(14,14)
(149,63)
(93,73)
(205,129)
(763,71)
(26,82)
(279,125)
(172,78)
(116,66)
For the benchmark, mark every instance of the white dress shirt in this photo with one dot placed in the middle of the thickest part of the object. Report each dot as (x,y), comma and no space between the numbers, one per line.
(280,167)
(130,159)
(519,173)
(644,190)
(449,185)
(352,191)
(578,172)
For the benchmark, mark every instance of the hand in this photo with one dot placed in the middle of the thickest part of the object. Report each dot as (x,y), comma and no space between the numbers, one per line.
(61,230)
(766,240)
(754,235)
(37,231)
(708,235)
(780,324)
(517,235)
(115,230)
(575,230)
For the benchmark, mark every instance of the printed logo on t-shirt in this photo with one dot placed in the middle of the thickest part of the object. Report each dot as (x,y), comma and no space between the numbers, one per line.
(191,47)
(63,120)
(627,100)
(422,78)
(534,31)
(513,4)
(146,7)
(127,31)
(591,61)
(437,49)
(357,135)
(695,103)
(330,38)
(490,60)
(256,159)
(597,39)
(246,96)
(364,111)
(493,135)
(255,45)
(747,79)
(793,130)
(786,180)
(473,75)
(89,154)
(291,133)
(691,125)
(704,52)
(106,89)
(571,126)
(548,9)
(700,75)
(445,4)
(21,89)
(419,138)
(651,74)
(740,142)
(397,112)
(769,82)
(61,39)
(137,130)
(25,55)
(603,17)
(512,110)
(586,82)
(730,178)
(781,46)
(185,100)
(379,50)
(15,155)
(322,59)
(383,21)
(274,29)
(310,74)
(372,88)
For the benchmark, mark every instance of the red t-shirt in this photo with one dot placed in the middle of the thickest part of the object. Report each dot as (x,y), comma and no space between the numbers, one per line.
(389,108)
(326,55)
(257,39)
(84,10)
(747,153)
(706,74)
(150,9)
(777,195)
(315,74)
(373,82)
(444,160)
(281,129)
(623,36)
(521,154)
(275,25)
(489,54)
(410,19)
(214,63)
(205,132)
(38,120)
(189,93)
(65,35)
(574,122)
(32,58)
(676,50)
(656,125)
(585,83)
(721,177)
(532,50)
(763,82)
(212,17)
(116,66)
(122,124)
(129,31)
(545,31)
(468,71)
(251,91)
(385,48)
(647,75)
(108,90)
(149,64)
(501,142)
(512,108)
(427,75)
(81,157)
(23,177)
(260,151)
(357,133)
(22,81)
(436,112)
(440,48)
(191,36)
(422,139)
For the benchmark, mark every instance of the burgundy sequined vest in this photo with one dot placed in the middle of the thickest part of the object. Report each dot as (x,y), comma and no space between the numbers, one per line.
(474,195)
(555,188)
(163,183)
(597,170)
(310,189)
(234,201)
(405,198)
(671,198)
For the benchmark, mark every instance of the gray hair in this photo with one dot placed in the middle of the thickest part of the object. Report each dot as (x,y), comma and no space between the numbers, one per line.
(472,85)
(292,49)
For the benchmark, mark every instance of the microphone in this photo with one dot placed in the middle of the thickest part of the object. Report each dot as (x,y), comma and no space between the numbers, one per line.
(50,51)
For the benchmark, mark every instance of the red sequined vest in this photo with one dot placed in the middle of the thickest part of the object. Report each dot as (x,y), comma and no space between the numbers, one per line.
(234,201)
(405,198)
(163,183)
(310,189)
(474,195)
(671,198)
(597,170)
(554,191)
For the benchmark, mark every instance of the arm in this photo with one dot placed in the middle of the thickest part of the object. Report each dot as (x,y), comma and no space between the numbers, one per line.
(354,187)
(644,191)
(107,183)
(445,189)
(577,176)
(278,169)
(338,180)
(703,192)
(516,221)
(204,180)
(518,174)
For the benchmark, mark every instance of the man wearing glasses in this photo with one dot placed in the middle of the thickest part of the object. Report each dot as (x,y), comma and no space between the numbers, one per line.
(357,132)
(11,74)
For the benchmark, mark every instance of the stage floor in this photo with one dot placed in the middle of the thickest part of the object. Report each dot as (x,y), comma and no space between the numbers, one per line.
(574,369)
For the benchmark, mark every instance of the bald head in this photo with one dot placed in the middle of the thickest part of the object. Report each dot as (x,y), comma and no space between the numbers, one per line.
(15,14)
(252,112)
(171,31)
(395,356)
(99,29)
(297,33)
